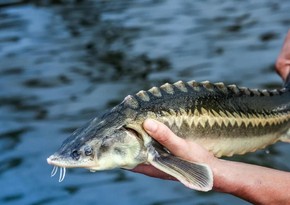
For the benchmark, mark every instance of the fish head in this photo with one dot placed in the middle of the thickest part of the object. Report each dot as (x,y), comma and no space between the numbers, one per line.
(100,145)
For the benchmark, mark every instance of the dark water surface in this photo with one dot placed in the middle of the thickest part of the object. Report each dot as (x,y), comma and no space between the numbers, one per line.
(61,64)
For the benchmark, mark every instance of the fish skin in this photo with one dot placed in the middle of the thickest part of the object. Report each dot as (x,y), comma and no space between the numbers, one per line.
(211,113)
(226,120)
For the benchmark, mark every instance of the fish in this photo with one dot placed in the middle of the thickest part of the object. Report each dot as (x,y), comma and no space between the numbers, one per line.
(224,119)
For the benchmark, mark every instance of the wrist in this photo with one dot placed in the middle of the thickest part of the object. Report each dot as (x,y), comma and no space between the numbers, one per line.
(224,176)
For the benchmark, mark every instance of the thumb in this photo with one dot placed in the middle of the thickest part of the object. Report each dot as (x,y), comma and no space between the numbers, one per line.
(179,147)
(166,137)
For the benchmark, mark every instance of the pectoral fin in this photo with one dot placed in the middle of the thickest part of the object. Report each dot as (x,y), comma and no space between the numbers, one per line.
(193,175)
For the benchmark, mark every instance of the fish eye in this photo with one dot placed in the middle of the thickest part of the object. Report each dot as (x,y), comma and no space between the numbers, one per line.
(88,150)
(75,155)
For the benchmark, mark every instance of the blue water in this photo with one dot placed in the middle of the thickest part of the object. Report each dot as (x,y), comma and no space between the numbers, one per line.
(61,64)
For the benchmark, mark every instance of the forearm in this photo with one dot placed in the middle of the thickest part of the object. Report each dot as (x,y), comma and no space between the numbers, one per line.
(267,187)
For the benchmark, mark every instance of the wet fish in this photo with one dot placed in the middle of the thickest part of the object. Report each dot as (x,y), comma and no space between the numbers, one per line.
(225,119)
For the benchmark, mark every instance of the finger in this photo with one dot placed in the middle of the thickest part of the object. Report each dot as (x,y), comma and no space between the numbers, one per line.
(179,147)
(166,137)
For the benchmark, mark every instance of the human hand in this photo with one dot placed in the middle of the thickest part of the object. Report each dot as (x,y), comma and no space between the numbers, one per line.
(283,60)
(179,147)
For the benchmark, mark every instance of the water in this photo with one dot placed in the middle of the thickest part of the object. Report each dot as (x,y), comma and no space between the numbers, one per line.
(62,64)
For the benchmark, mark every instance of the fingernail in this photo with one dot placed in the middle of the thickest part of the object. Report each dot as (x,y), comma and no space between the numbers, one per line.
(150,125)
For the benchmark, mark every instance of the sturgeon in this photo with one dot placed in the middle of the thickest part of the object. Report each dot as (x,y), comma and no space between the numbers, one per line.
(225,119)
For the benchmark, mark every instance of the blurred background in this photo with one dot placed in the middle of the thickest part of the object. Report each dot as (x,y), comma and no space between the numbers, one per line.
(63,62)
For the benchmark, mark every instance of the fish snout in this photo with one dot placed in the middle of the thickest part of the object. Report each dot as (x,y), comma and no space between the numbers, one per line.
(56,160)
(52,159)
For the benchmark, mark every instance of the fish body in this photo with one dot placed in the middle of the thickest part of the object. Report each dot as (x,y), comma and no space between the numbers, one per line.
(226,120)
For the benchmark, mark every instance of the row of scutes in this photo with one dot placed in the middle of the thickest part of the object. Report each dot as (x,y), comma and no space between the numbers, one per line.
(197,86)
